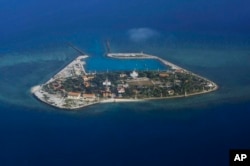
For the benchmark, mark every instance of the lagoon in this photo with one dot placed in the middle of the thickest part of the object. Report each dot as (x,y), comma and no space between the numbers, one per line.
(101,64)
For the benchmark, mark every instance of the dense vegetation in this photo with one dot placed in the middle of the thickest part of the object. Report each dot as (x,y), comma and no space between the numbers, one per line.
(149,84)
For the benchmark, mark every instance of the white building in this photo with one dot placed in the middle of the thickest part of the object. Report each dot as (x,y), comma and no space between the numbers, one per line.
(106,83)
(121,90)
(123,75)
(134,74)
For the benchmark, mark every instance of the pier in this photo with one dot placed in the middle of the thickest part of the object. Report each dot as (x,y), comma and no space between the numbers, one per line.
(142,56)
(75,48)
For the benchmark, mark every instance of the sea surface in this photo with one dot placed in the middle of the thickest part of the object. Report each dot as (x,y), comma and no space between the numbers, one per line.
(210,38)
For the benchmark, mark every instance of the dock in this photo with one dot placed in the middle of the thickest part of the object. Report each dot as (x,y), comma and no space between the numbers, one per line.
(142,55)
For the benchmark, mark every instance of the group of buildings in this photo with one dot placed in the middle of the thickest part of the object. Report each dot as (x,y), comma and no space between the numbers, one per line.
(106,92)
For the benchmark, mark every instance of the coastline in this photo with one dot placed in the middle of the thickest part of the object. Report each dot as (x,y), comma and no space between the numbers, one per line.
(56,102)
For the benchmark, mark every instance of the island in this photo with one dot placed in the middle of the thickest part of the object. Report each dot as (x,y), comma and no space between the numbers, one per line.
(73,87)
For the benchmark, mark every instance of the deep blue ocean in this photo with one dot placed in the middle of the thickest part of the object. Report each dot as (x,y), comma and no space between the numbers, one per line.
(210,38)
